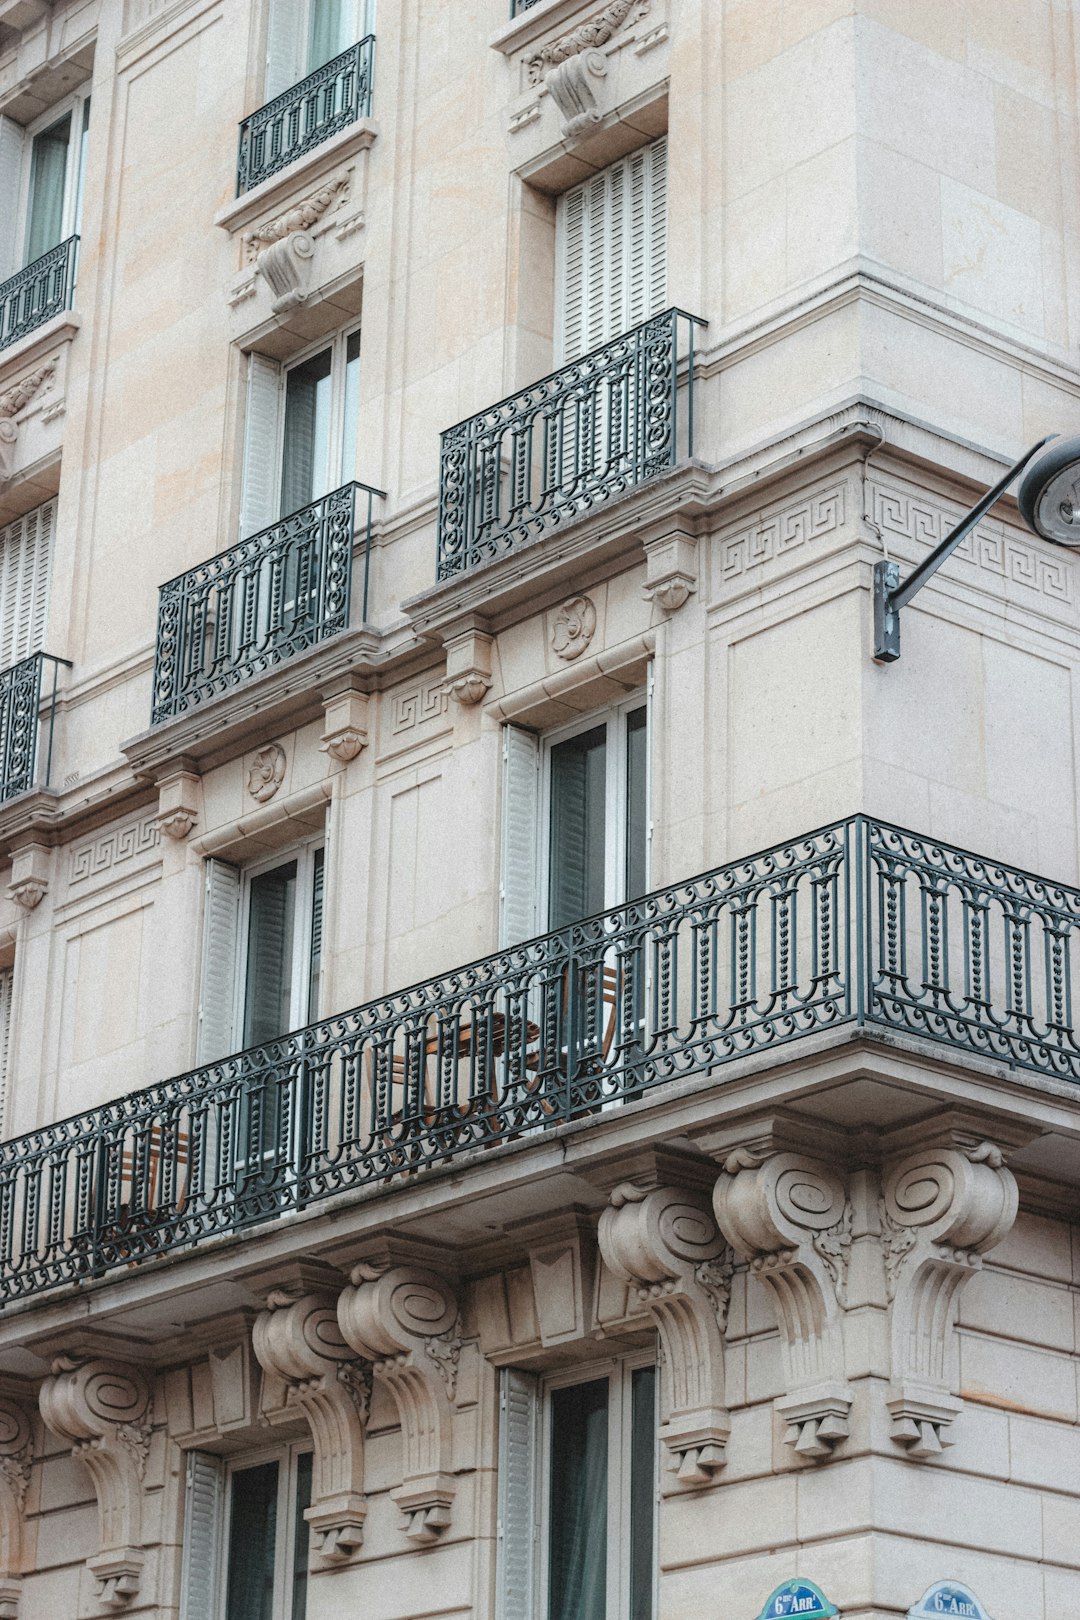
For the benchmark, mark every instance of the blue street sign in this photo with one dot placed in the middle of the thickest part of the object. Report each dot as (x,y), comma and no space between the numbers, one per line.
(799,1599)
(948,1598)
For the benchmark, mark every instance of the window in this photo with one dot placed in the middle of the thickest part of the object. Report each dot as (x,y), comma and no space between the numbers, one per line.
(304,34)
(611,252)
(300,441)
(262,950)
(7,985)
(246,1538)
(25,564)
(41,179)
(577,1494)
(575,819)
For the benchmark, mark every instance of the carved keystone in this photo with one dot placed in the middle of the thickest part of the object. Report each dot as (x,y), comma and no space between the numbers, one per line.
(942,1208)
(666,1242)
(404,1319)
(298,1337)
(103,1408)
(16,1456)
(789,1216)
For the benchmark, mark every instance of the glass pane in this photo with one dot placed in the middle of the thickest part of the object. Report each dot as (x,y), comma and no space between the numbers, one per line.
(577,851)
(252,1534)
(80,178)
(305,458)
(301,1536)
(315,959)
(577,1556)
(48,167)
(329,31)
(637,809)
(268,985)
(642,1490)
(352,408)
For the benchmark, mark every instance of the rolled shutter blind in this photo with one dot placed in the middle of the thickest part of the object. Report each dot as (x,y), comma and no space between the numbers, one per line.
(611,251)
(261,488)
(204,1504)
(26,548)
(221,930)
(519,1411)
(520,820)
(11,157)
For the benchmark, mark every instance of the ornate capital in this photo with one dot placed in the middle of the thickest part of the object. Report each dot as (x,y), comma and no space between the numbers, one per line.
(790,1218)
(942,1208)
(665,1242)
(298,1337)
(103,1408)
(404,1319)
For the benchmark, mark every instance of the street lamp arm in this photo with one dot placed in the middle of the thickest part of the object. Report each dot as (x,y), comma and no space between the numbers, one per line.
(890,595)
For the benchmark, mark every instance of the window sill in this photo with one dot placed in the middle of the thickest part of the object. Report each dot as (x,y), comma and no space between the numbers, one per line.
(533,24)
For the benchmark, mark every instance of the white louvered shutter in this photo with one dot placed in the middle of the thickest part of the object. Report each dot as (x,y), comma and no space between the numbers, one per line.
(520,820)
(204,1512)
(26,548)
(611,251)
(286,46)
(7,980)
(11,160)
(221,941)
(261,488)
(519,1414)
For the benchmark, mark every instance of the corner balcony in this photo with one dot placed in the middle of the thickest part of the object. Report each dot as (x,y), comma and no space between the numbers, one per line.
(27,722)
(261,603)
(306,115)
(858,931)
(616,419)
(39,291)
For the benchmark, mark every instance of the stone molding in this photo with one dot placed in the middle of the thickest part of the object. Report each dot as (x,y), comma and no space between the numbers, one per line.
(298,1338)
(671,570)
(942,1207)
(404,1318)
(790,1218)
(468,666)
(345,723)
(300,216)
(31,869)
(103,1408)
(665,1242)
(549,1299)
(179,803)
(586,36)
(16,1457)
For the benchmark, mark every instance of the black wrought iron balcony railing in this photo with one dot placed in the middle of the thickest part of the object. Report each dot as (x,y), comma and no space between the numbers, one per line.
(27,720)
(39,291)
(857,924)
(306,115)
(519,6)
(264,600)
(567,443)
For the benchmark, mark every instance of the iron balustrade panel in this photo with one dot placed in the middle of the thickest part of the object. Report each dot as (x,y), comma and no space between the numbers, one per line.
(972,952)
(22,692)
(306,115)
(39,291)
(263,601)
(518,7)
(590,431)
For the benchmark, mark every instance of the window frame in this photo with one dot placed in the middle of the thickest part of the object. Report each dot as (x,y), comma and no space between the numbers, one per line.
(614,716)
(74,103)
(618,1370)
(287,1457)
(303,854)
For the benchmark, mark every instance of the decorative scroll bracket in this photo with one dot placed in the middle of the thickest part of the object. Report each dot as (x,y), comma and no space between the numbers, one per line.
(103,1408)
(16,1456)
(665,1241)
(570,85)
(285,266)
(298,1337)
(404,1319)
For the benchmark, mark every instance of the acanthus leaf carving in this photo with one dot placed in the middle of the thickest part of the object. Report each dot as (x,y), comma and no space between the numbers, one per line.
(665,1242)
(404,1318)
(16,1458)
(19,395)
(301,216)
(586,36)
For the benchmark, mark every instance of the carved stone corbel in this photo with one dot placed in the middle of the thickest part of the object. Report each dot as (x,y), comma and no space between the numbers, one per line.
(285,266)
(298,1338)
(942,1208)
(31,867)
(103,1408)
(790,1218)
(468,666)
(345,731)
(9,433)
(665,1241)
(671,570)
(16,1456)
(179,801)
(571,87)
(404,1319)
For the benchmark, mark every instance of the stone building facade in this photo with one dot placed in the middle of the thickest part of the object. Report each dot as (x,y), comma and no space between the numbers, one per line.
(540,1081)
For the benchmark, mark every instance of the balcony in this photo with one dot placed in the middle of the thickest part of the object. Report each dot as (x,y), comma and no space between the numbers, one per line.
(609,422)
(36,293)
(26,688)
(857,925)
(259,603)
(303,117)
